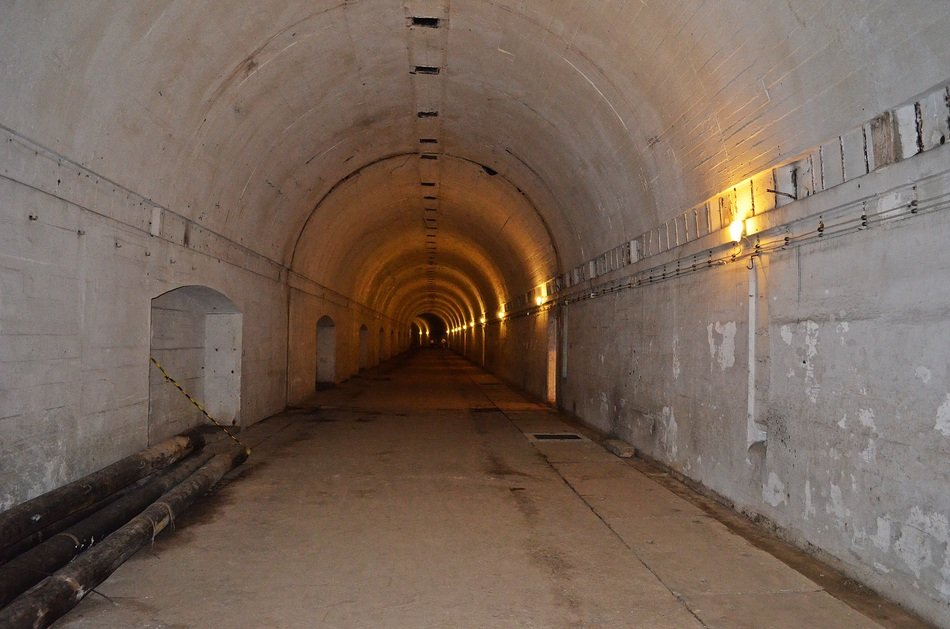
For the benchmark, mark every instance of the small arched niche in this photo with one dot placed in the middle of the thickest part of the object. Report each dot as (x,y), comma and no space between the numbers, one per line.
(326,352)
(364,347)
(196,335)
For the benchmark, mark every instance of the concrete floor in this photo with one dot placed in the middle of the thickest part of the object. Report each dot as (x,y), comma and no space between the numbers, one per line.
(416,498)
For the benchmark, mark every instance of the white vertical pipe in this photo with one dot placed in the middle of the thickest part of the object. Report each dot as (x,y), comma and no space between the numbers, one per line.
(754,433)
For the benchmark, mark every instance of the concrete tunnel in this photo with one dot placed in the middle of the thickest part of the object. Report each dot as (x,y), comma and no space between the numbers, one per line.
(712,231)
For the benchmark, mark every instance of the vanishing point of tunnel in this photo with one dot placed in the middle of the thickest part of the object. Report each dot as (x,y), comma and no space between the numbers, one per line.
(484,313)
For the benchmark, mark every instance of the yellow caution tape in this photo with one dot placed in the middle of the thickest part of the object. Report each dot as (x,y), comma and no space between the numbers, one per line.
(198,405)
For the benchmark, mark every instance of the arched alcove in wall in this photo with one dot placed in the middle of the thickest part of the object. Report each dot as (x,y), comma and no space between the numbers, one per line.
(326,352)
(196,336)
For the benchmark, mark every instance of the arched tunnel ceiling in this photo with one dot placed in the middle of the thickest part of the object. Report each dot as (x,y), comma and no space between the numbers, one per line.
(292,127)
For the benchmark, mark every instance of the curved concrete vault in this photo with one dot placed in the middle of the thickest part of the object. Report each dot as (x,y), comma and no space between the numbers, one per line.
(262,121)
(371,161)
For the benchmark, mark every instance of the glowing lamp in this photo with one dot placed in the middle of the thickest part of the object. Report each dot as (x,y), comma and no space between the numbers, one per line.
(539,300)
(736,230)
(483,320)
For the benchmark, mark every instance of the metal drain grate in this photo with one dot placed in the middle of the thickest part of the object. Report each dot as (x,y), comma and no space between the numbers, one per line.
(556,436)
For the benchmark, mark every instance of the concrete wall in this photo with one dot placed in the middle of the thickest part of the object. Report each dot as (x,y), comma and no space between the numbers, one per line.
(306,308)
(178,339)
(78,271)
(516,350)
(852,384)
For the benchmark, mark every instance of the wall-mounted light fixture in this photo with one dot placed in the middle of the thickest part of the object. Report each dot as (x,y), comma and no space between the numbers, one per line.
(736,230)
(483,320)
(539,300)
(501,313)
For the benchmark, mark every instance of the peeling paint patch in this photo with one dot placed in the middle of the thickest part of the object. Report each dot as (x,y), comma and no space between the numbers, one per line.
(943,417)
(773,492)
(923,373)
(918,536)
(866,417)
(843,424)
(843,328)
(723,352)
(676,358)
(668,436)
(836,506)
(944,586)
(882,538)
(812,388)
(786,333)
(809,505)
(869,454)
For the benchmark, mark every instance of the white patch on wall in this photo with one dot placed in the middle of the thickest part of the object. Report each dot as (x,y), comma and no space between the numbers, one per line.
(881,568)
(842,330)
(724,351)
(786,334)
(668,436)
(676,358)
(773,492)
(882,538)
(809,505)
(919,535)
(943,417)
(812,388)
(912,546)
(923,373)
(870,452)
(843,424)
(944,586)
(837,506)
(866,417)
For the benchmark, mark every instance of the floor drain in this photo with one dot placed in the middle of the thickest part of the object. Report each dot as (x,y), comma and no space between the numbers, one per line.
(556,436)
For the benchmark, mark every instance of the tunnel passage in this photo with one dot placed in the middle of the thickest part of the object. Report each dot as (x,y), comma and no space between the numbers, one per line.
(712,229)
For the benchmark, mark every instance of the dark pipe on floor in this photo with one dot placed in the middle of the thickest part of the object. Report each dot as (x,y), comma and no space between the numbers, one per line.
(42,605)
(28,542)
(34,515)
(40,561)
